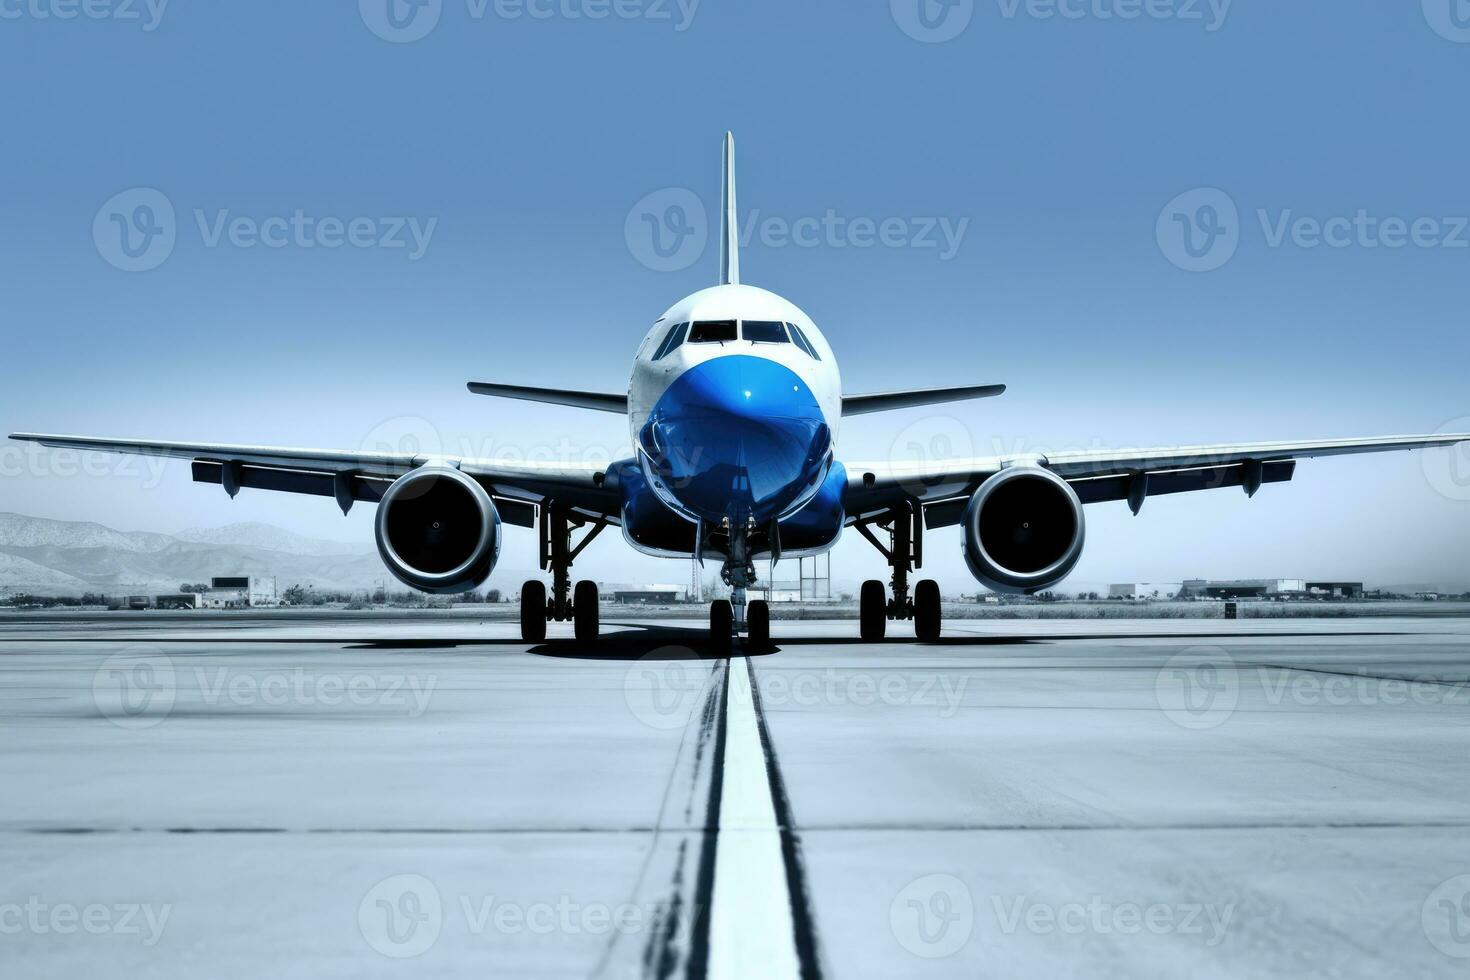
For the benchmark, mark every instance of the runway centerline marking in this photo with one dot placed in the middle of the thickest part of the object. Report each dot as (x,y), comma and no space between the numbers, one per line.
(752,923)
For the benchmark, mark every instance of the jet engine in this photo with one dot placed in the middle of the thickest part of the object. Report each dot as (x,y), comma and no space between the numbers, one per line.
(438,530)
(1023,530)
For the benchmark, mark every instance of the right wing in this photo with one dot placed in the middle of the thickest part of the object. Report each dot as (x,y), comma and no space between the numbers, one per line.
(1100,475)
(350,476)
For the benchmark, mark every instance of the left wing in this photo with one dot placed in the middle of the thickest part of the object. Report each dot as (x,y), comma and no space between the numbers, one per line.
(1128,474)
(598,401)
(351,476)
(886,401)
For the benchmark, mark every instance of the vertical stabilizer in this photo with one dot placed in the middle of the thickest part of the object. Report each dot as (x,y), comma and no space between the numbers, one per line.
(729,228)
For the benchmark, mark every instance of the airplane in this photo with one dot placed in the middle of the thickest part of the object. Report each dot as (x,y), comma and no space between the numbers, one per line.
(734,406)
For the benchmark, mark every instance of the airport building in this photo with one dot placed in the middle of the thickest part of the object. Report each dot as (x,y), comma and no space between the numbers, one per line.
(651,596)
(1249,588)
(1335,590)
(1144,590)
(238,592)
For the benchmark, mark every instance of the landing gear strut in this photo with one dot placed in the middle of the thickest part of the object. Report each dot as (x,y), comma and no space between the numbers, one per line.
(904,552)
(557,553)
(728,618)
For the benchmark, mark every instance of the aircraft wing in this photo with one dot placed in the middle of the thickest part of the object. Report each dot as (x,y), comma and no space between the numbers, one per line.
(942,487)
(887,401)
(351,476)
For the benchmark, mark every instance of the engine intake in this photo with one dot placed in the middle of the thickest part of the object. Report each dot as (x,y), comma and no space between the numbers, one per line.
(1023,530)
(438,530)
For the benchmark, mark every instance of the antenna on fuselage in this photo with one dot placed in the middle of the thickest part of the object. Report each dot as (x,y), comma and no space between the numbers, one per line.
(729,227)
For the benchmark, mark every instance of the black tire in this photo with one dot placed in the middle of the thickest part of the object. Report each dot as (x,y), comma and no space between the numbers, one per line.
(926,611)
(758,625)
(584,611)
(873,611)
(721,619)
(533,611)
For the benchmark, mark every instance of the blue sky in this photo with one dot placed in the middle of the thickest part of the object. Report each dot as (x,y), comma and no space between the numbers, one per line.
(1066,146)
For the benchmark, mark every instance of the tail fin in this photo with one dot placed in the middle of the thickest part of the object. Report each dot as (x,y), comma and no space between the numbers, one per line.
(729,228)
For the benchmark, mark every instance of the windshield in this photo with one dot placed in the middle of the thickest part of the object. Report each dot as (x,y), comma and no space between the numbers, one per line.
(712,331)
(764,331)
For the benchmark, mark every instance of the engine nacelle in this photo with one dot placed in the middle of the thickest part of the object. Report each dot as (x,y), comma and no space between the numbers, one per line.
(438,530)
(1023,530)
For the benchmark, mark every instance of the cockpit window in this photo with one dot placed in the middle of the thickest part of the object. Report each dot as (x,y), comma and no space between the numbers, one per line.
(712,331)
(764,331)
(802,342)
(674,338)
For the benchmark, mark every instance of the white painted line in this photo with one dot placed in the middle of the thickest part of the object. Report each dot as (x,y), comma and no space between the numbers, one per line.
(751,929)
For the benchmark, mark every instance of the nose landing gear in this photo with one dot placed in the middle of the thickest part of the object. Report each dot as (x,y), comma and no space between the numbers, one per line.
(904,552)
(728,618)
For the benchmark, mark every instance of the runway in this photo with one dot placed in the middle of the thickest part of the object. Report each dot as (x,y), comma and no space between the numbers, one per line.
(401,797)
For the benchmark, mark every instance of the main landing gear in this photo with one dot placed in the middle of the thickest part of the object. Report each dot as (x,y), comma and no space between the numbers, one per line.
(557,553)
(905,552)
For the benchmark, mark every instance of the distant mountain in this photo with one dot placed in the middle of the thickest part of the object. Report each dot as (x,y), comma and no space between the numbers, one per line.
(49,557)
(268,537)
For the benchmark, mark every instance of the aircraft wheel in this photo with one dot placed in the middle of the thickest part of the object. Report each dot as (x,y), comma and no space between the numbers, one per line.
(721,622)
(926,610)
(758,625)
(533,611)
(584,611)
(873,611)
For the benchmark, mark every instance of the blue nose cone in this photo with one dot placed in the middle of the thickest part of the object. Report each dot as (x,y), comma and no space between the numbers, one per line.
(739,437)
